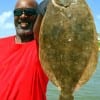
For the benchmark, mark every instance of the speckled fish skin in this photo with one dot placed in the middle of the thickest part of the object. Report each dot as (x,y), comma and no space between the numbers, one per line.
(68,44)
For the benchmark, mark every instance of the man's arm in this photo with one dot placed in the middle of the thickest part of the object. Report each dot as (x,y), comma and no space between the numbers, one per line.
(42,7)
(41,12)
(37,26)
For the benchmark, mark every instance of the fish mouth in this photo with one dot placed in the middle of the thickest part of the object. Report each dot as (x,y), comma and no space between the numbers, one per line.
(62,3)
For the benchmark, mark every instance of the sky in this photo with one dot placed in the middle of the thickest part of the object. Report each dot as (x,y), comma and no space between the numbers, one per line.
(7,23)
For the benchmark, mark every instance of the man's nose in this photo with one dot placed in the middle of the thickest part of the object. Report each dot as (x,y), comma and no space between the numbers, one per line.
(23,15)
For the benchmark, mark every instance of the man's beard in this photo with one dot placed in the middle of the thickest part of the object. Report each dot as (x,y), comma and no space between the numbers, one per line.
(24,26)
(23,31)
(25,34)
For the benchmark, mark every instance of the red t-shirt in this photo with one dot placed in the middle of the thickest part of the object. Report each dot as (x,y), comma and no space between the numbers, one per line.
(21,75)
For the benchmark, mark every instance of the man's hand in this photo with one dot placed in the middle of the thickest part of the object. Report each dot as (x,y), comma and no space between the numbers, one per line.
(42,7)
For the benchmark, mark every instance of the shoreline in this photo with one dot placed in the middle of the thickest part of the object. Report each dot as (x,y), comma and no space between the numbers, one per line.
(99,49)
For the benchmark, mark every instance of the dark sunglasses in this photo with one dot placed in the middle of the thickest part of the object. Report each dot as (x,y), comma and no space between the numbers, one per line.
(26,11)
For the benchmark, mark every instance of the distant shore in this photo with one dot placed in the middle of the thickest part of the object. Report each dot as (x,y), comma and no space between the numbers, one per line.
(99,48)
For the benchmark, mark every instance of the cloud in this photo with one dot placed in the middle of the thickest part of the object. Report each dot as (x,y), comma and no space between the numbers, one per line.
(5,22)
(9,25)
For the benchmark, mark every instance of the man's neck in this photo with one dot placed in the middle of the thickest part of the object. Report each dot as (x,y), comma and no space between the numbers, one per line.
(23,39)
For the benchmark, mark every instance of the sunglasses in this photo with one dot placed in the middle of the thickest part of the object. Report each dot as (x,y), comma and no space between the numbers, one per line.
(26,11)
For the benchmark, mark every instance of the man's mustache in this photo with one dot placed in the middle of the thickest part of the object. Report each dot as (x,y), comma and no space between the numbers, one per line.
(24,21)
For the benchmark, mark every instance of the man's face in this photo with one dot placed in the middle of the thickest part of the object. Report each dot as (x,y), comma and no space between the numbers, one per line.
(25,16)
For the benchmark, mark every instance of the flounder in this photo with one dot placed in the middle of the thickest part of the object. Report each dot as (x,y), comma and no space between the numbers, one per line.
(68,45)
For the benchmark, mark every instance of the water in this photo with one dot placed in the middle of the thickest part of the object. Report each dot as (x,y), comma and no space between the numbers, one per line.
(89,91)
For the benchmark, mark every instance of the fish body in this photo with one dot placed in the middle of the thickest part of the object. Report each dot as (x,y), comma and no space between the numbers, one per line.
(68,45)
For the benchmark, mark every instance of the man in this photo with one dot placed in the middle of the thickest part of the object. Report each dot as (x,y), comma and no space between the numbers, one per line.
(21,75)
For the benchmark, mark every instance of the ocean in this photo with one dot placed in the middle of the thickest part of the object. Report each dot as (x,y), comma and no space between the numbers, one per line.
(89,91)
